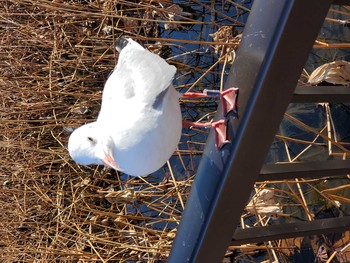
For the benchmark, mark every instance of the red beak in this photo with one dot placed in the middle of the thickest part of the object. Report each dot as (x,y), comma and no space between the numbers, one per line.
(109,161)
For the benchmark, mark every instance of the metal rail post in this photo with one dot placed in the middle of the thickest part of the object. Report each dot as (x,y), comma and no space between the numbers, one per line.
(276,41)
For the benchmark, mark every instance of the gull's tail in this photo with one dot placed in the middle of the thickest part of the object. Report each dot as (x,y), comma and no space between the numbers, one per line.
(121,43)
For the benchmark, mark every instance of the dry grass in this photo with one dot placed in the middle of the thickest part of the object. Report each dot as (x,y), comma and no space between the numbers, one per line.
(55,58)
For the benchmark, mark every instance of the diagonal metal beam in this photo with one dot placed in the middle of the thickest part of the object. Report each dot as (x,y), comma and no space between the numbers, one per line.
(276,41)
(341,2)
(312,94)
(304,170)
(290,230)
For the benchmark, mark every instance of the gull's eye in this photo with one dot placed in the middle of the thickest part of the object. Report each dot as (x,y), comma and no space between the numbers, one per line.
(90,139)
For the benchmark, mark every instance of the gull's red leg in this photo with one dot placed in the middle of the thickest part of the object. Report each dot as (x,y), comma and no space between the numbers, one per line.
(228,98)
(229,103)
(194,95)
(188,124)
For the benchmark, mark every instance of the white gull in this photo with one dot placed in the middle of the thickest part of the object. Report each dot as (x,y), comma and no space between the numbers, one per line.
(139,124)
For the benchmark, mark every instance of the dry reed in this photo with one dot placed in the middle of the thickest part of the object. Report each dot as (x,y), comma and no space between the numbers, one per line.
(55,58)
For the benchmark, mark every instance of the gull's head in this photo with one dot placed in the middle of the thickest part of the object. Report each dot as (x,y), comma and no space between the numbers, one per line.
(90,144)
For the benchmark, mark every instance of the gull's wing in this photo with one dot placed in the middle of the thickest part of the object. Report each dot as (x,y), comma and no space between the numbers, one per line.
(140,78)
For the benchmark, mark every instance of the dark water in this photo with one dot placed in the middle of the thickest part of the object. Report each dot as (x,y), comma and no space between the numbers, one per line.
(201,57)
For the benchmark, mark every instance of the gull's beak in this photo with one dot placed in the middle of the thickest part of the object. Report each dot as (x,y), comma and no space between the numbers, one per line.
(109,161)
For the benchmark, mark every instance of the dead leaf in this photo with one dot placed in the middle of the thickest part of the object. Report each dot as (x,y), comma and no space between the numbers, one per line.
(263,203)
(336,72)
(225,35)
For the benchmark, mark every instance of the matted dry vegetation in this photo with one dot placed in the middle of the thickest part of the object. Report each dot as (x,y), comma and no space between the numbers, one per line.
(55,58)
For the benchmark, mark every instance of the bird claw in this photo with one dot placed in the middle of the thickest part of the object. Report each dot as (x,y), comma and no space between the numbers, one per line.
(229,103)
(229,100)
(221,135)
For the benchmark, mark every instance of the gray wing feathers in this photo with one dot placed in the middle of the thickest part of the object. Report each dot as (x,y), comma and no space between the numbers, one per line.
(150,74)
(139,77)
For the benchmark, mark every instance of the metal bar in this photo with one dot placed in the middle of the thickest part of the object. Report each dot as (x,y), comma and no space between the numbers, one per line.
(275,44)
(304,170)
(290,230)
(341,2)
(305,94)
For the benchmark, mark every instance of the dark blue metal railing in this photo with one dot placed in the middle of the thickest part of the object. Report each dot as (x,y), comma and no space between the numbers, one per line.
(276,41)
